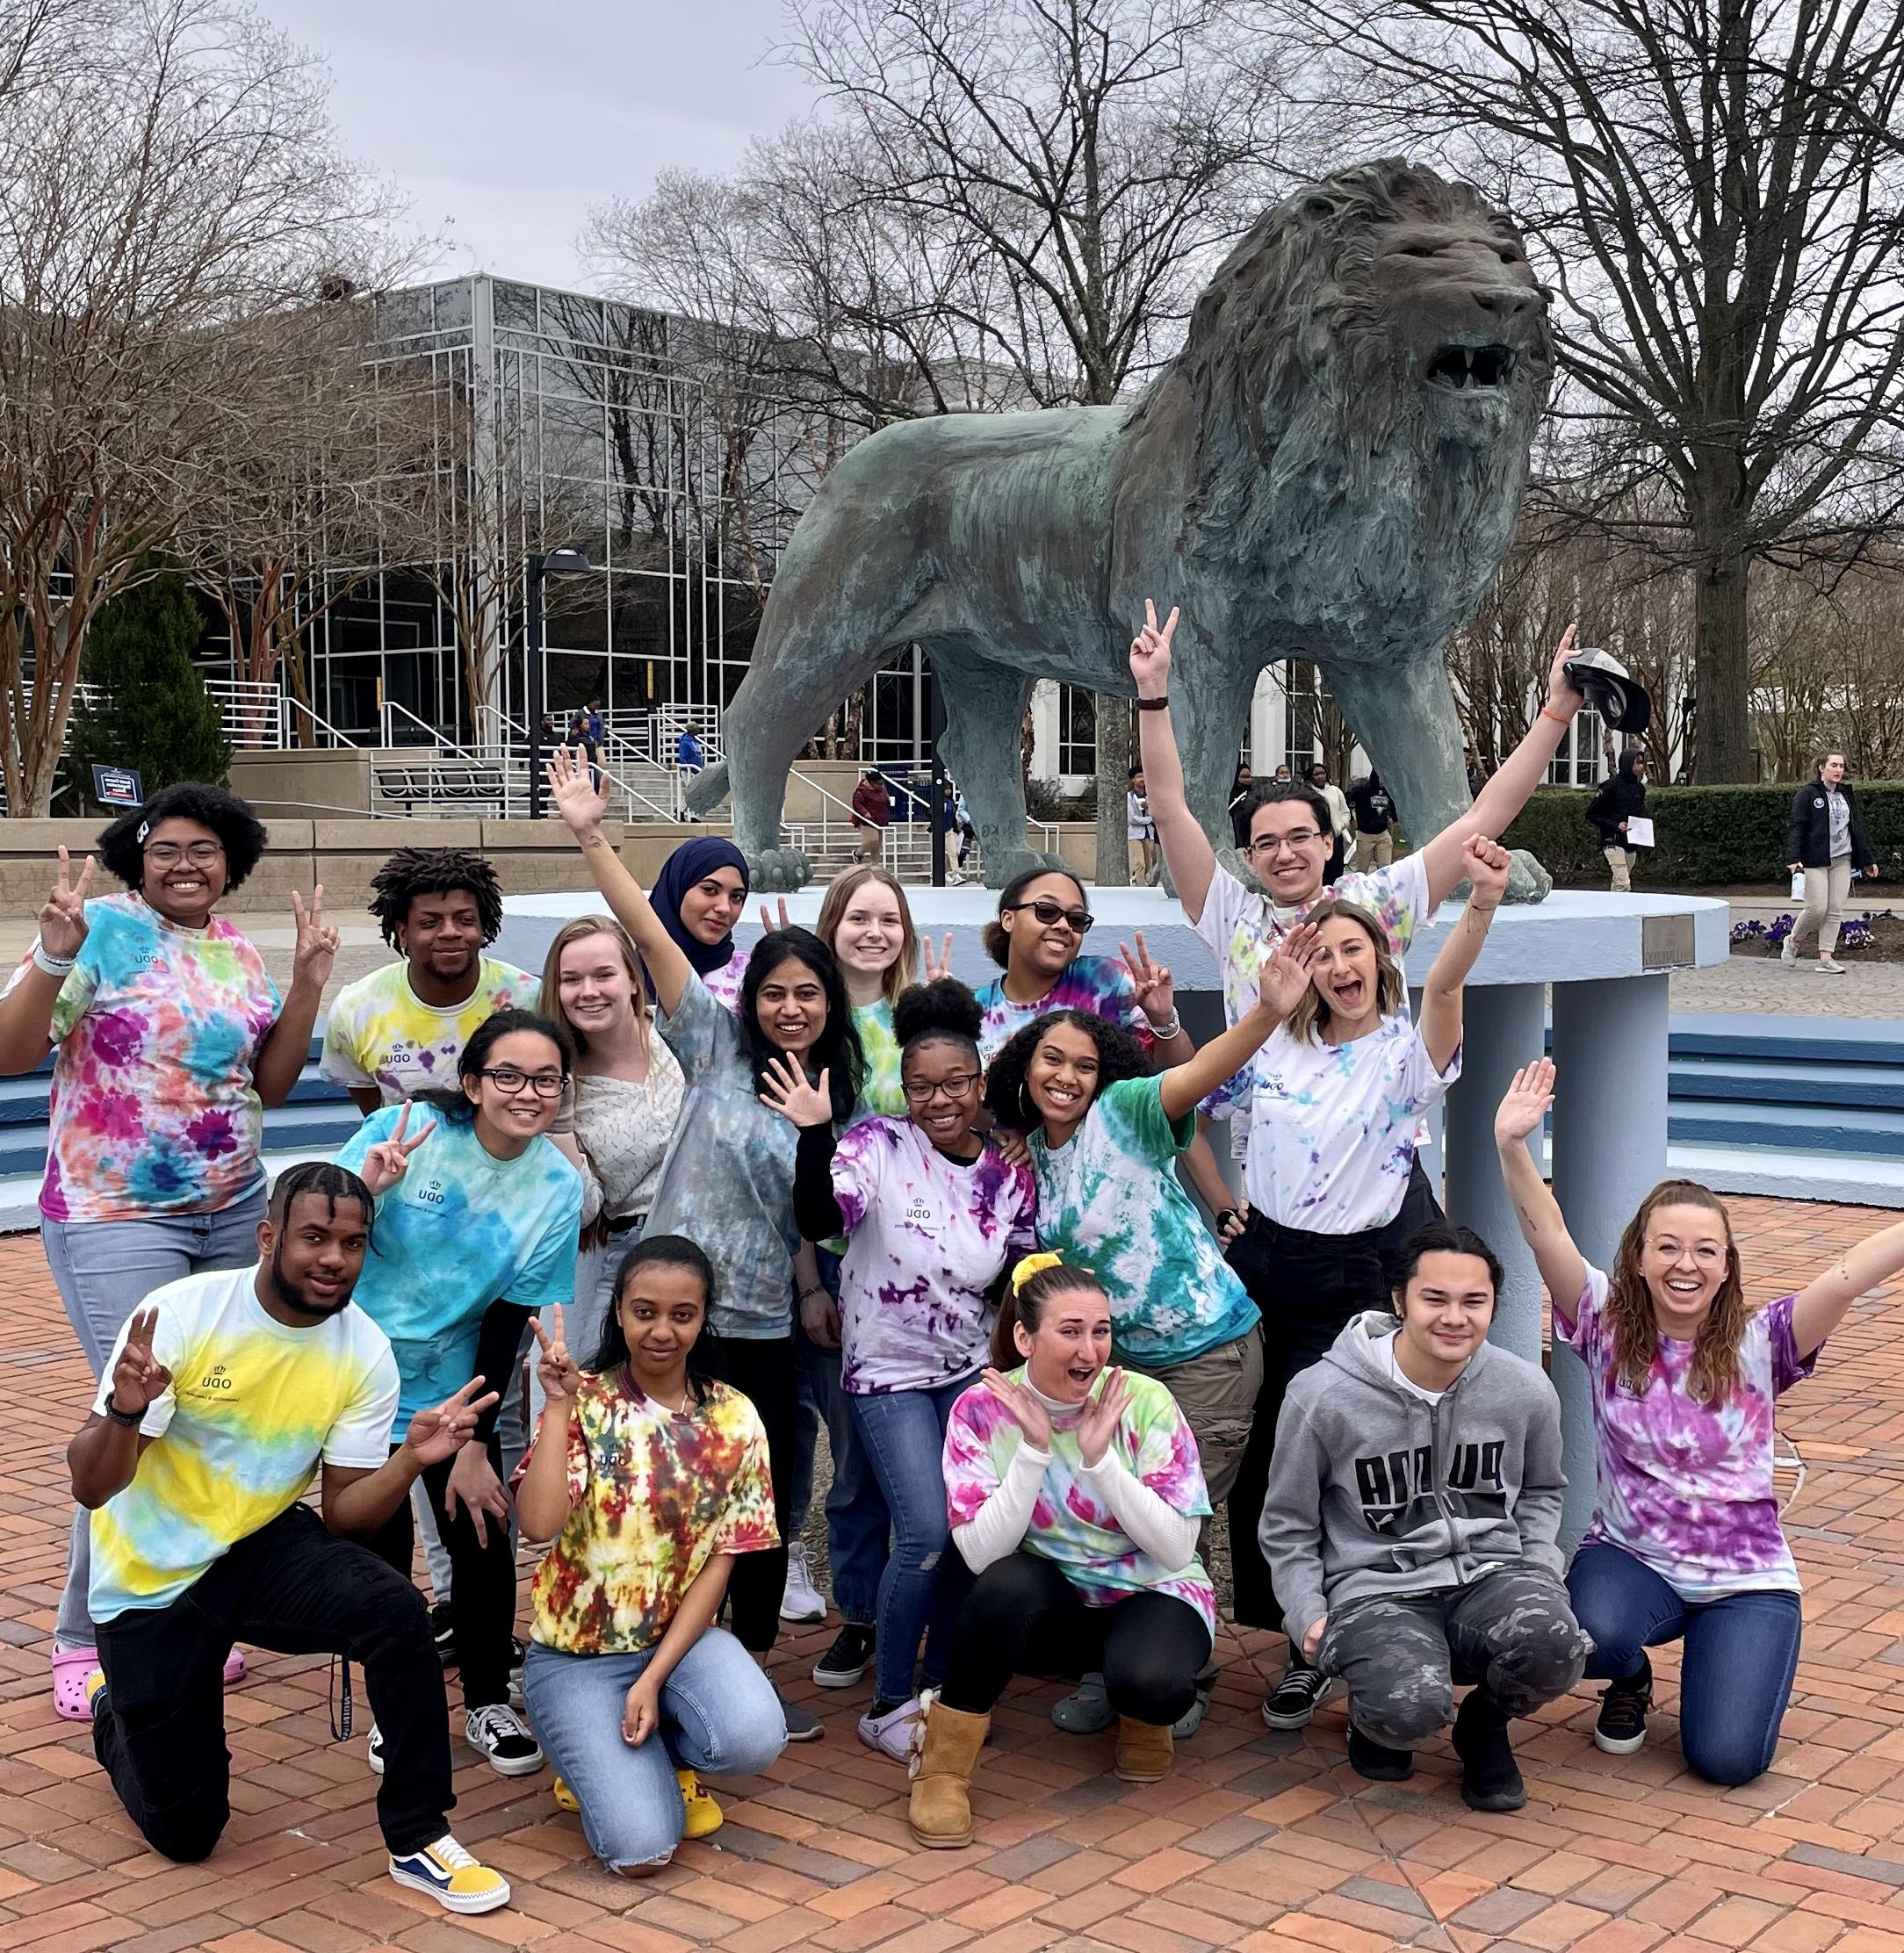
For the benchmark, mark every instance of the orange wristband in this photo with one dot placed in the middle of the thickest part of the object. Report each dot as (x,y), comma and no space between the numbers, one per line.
(1556,716)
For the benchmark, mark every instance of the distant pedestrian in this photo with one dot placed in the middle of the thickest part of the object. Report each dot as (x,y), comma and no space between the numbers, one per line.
(1824,840)
(1621,798)
(872,811)
(1139,832)
(689,756)
(1341,821)
(1373,807)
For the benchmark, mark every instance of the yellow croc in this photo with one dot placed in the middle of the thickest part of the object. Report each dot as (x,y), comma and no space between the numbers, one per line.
(565,1797)
(703,1813)
(454,1880)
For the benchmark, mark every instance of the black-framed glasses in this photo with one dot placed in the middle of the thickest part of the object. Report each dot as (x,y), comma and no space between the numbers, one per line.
(169,854)
(1050,914)
(509,1082)
(1274,844)
(919,1093)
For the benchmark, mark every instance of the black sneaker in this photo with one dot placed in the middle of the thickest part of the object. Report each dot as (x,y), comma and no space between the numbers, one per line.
(849,1658)
(1620,1728)
(503,1737)
(1377,1762)
(1491,1777)
(1297,1696)
(443,1633)
(802,1726)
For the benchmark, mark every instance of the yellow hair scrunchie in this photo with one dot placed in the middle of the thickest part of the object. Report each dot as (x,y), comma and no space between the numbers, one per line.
(1034,1264)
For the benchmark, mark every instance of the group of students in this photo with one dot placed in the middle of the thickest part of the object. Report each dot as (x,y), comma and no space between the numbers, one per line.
(720,1199)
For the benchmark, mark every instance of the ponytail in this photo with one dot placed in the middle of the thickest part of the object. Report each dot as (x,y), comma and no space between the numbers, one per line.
(1033,1284)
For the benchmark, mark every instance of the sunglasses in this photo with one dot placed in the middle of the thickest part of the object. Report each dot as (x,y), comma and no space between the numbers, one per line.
(1050,914)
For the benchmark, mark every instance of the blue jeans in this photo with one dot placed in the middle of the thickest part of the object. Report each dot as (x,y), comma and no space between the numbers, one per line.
(903,1434)
(718,1714)
(857,1522)
(1735,1672)
(104,1270)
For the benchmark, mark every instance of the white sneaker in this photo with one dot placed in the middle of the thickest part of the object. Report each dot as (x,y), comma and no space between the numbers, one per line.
(802,1601)
(374,1750)
(454,1880)
(1829,966)
(504,1738)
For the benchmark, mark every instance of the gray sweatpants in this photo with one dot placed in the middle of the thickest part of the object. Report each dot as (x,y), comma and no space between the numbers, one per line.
(1512,1629)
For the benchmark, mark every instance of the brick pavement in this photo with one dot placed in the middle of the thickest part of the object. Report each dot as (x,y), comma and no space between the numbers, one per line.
(1266,1843)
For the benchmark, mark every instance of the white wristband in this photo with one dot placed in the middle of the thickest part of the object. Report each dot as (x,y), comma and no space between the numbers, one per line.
(53,966)
(1164,1033)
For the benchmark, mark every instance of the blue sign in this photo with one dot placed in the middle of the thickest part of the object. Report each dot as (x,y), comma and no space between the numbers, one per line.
(118,787)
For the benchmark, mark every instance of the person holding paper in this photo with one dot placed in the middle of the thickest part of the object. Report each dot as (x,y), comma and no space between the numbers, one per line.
(1620,801)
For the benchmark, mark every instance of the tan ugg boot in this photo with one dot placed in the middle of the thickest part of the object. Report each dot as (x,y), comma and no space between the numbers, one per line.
(945,1753)
(1145,1751)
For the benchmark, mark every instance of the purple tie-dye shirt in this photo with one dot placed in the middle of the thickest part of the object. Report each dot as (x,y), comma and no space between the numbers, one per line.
(1069,1524)
(1098,985)
(1686,1488)
(925,1237)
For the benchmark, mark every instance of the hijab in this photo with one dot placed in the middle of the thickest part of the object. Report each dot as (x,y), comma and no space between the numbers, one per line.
(693,861)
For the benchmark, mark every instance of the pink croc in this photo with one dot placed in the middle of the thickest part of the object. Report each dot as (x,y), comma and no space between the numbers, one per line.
(70,1669)
(234,1665)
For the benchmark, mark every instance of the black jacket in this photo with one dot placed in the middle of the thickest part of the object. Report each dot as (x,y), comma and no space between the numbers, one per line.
(1808,838)
(1620,797)
(1374,806)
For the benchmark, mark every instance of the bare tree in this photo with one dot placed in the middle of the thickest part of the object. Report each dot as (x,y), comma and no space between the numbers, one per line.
(1719,190)
(173,178)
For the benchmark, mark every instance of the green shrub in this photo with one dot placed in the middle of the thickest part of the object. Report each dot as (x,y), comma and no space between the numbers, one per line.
(1708,837)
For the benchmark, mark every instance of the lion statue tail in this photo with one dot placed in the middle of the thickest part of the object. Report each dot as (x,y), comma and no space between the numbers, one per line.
(707,790)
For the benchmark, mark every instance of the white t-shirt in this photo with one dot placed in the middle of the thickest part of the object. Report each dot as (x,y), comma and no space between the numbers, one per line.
(1402,1376)
(1333,1126)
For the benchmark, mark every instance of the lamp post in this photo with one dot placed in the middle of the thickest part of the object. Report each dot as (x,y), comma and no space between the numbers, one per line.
(561,562)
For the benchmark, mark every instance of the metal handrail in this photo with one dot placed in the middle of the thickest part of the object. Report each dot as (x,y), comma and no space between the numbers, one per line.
(438,738)
(287,701)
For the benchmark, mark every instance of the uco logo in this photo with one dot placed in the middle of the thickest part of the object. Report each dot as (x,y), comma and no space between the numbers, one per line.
(433,1193)
(216,1379)
(918,1214)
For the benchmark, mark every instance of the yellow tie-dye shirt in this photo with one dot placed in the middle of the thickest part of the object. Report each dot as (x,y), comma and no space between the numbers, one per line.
(252,1407)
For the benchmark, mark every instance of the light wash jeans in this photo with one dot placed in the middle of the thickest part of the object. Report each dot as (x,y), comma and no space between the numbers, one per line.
(104,1270)
(719,1715)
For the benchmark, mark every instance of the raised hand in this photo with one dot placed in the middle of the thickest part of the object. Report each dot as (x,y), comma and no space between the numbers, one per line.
(139,1379)
(767,923)
(62,922)
(561,1378)
(1281,981)
(1488,864)
(1563,694)
(940,965)
(1525,1104)
(316,943)
(1149,652)
(473,1485)
(788,1092)
(1099,1425)
(1027,1413)
(389,1159)
(577,799)
(1156,989)
(441,1433)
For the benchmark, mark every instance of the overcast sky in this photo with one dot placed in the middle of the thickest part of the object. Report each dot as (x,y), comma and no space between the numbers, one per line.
(502,122)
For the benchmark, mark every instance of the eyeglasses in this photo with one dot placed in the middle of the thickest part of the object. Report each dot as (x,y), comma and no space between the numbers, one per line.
(918,1093)
(509,1082)
(1048,913)
(1274,844)
(169,854)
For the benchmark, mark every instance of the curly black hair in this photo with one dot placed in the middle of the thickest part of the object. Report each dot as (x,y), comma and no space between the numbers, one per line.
(240,831)
(943,1008)
(414,871)
(1119,1055)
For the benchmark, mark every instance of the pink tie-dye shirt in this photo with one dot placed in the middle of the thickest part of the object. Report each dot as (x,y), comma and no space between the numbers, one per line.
(1070,1523)
(925,1237)
(1686,1486)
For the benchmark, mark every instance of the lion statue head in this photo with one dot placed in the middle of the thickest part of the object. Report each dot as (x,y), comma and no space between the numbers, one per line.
(1361,382)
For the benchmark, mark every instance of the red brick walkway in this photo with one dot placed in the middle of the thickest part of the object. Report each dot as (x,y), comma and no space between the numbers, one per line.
(1264,1842)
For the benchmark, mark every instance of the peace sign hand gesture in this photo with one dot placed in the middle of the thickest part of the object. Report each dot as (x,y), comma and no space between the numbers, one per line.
(577,799)
(767,923)
(1099,1425)
(1156,989)
(389,1160)
(139,1379)
(1030,1415)
(940,965)
(1281,981)
(316,943)
(436,1435)
(1149,652)
(62,922)
(559,1376)
(789,1094)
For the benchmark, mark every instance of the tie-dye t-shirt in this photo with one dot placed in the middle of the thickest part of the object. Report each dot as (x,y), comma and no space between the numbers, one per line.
(460,1230)
(1070,1523)
(1098,985)
(925,1237)
(653,1494)
(727,1182)
(1686,1488)
(156,1030)
(881,1092)
(1109,1200)
(253,1405)
(1333,1126)
(724,984)
(382,1034)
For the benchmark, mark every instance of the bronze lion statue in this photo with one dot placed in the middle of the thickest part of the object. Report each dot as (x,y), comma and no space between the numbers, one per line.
(1330,469)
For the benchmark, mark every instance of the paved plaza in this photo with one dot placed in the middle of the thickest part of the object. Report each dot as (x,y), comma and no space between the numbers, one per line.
(1267,1843)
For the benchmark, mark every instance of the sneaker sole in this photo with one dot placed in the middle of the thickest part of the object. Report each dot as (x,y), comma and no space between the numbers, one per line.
(807,1619)
(510,1766)
(943,1844)
(1619,1745)
(1331,1690)
(811,1735)
(840,1678)
(454,1902)
(376,1764)
(1501,1801)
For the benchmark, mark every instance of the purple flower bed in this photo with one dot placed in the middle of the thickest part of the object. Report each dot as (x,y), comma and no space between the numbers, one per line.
(1854,934)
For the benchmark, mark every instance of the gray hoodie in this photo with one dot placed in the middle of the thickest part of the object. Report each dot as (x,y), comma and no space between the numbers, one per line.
(1376,1491)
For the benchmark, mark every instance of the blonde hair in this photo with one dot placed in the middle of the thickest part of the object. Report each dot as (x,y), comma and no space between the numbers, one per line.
(903,968)
(1309,1014)
(551,977)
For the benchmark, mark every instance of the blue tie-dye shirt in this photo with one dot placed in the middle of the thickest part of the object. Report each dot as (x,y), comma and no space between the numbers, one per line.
(460,1230)
(1096,984)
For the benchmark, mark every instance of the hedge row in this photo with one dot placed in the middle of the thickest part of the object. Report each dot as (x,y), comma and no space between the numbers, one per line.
(1708,837)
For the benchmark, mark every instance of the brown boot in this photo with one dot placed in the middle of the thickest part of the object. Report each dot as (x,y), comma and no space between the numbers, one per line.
(1145,1751)
(944,1756)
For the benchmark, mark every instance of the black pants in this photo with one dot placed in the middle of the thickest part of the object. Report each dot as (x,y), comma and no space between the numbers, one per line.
(1023,1616)
(482,1582)
(295,1588)
(768,1372)
(1308,1286)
